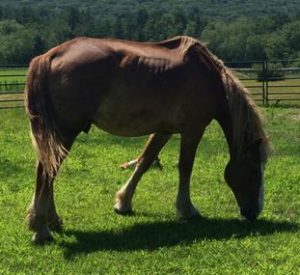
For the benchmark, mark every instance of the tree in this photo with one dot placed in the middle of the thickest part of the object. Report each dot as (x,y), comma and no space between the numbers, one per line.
(72,17)
(229,41)
(117,28)
(142,16)
(39,45)
(291,32)
(277,47)
(255,48)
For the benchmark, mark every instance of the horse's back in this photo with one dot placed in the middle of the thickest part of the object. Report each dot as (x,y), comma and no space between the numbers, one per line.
(83,51)
(127,88)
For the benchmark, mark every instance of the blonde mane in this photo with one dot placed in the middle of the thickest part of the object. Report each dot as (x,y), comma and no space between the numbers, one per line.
(186,43)
(247,118)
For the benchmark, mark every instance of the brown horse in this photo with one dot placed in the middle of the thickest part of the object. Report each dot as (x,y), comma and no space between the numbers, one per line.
(133,89)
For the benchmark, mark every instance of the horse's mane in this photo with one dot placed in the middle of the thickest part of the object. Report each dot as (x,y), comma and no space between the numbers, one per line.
(247,118)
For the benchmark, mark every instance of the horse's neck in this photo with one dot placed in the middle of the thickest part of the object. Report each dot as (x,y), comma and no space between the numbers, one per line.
(227,126)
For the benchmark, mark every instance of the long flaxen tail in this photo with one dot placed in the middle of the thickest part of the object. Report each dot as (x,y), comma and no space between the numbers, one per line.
(44,130)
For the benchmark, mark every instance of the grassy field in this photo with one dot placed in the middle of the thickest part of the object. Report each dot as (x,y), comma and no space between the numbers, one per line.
(10,79)
(95,240)
(11,83)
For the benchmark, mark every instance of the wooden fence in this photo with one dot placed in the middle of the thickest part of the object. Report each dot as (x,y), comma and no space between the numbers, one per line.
(12,82)
(271,82)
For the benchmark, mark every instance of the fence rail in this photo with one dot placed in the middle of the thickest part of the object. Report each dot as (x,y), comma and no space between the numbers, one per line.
(269,81)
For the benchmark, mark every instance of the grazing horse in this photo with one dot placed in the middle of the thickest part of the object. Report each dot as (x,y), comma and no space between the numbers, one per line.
(131,89)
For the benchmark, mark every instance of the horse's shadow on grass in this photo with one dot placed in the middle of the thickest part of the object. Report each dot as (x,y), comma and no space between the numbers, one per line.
(151,236)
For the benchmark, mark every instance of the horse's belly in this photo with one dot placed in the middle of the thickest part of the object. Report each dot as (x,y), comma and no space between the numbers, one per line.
(135,107)
(132,121)
(125,125)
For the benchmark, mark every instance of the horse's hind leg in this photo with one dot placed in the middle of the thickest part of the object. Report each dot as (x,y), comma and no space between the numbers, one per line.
(42,214)
(189,144)
(125,194)
(54,221)
(133,163)
(38,210)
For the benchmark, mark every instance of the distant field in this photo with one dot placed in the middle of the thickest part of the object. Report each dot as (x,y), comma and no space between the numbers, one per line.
(11,74)
(11,84)
(12,81)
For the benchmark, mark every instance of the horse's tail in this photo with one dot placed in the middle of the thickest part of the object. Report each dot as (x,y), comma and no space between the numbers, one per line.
(44,130)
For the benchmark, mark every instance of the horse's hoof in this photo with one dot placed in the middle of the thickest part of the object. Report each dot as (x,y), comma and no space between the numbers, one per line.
(123,210)
(42,238)
(191,214)
(56,224)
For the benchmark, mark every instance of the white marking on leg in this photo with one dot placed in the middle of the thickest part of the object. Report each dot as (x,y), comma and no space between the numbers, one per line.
(185,208)
(124,196)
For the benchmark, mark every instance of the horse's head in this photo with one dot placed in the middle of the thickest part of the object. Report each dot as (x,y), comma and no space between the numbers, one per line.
(245,177)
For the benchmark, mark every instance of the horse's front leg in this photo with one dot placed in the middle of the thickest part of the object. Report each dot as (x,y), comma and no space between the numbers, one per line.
(188,148)
(124,195)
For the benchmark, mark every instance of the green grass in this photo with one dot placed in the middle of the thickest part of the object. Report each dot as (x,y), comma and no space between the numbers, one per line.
(97,241)
(11,83)
(10,78)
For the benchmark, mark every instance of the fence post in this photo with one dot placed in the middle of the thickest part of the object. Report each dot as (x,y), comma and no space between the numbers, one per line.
(266,82)
(263,82)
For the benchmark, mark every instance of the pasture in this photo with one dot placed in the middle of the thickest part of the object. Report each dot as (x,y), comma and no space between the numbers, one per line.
(11,83)
(95,240)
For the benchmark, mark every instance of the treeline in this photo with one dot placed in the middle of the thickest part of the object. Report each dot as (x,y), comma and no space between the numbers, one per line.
(28,31)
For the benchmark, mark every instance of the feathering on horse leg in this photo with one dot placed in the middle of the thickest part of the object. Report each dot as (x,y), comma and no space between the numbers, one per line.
(124,196)
(188,148)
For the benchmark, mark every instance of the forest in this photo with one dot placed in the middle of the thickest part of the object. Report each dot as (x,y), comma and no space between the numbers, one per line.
(233,29)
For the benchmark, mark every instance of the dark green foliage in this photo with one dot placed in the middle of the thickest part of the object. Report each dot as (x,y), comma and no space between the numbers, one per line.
(234,29)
